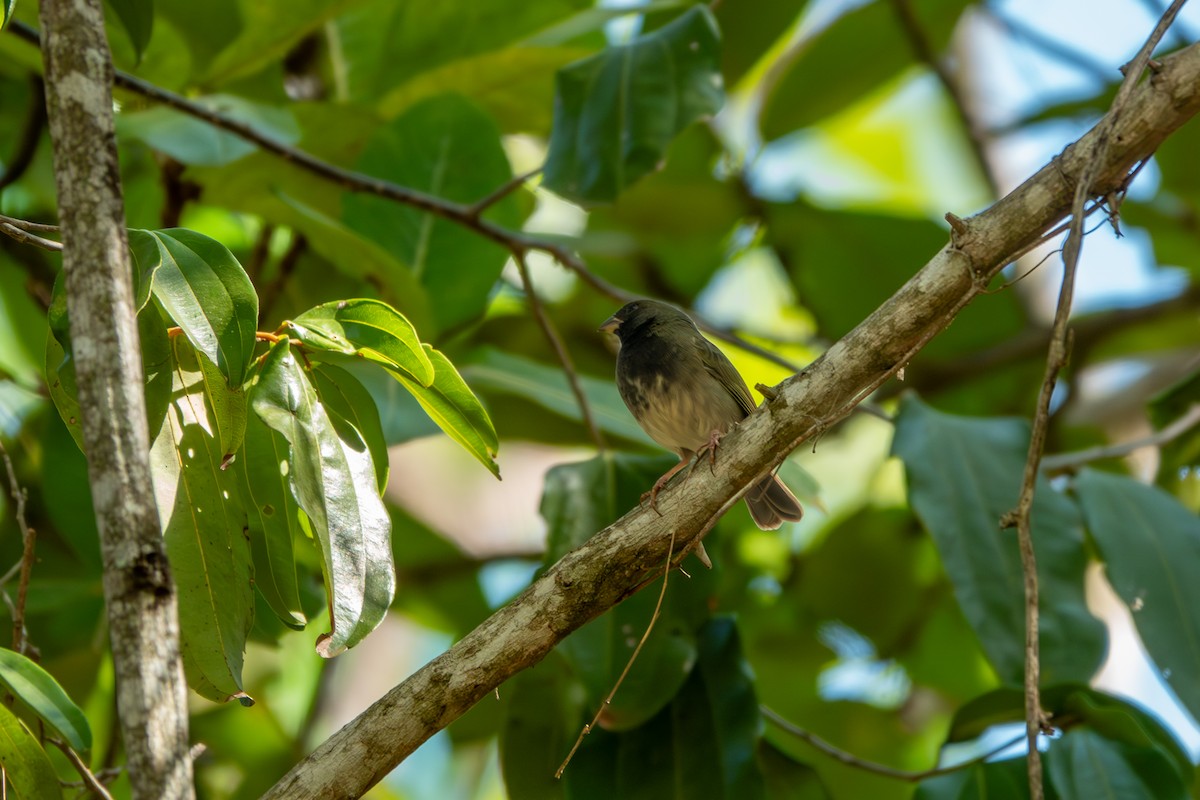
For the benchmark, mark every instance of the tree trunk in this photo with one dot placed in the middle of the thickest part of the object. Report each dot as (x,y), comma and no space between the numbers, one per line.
(138,589)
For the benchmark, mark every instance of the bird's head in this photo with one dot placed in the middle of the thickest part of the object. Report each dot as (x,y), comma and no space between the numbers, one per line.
(644,316)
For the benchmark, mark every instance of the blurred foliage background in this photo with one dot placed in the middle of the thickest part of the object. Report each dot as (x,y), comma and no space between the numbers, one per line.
(887,622)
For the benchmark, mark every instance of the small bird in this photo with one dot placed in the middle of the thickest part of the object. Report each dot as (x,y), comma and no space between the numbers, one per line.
(686,395)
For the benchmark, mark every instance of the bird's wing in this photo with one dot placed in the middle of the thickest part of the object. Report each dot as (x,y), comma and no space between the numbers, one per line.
(719,366)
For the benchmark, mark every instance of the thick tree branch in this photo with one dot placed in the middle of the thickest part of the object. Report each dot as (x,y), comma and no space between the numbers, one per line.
(623,556)
(138,590)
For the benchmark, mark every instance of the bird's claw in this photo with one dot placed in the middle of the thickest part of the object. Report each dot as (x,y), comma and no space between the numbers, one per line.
(714,440)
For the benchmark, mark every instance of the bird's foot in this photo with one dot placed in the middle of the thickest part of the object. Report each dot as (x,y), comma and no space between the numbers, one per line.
(714,441)
(659,484)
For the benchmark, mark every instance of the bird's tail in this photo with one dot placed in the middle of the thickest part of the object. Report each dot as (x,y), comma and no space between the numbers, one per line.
(771,503)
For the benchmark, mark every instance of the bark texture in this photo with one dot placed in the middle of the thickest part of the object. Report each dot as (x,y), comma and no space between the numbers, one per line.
(622,557)
(138,590)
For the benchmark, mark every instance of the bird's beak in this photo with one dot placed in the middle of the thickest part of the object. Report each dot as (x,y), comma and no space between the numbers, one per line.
(610,325)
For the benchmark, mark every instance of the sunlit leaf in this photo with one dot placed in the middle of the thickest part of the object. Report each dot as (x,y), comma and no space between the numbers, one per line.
(366,328)
(454,407)
(272,521)
(205,291)
(38,690)
(346,400)
(27,768)
(616,113)
(203,525)
(334,481)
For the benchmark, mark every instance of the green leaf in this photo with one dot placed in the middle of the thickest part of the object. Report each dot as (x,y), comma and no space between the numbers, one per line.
(787,779)
(506,373)
(993,779)
(1072,705)
(579,499)
(454,407)
(703,744)
(203,525)
(194,142)
(447,147)
(137,17)
(27,768)
(205,291)
(7,9)
(347,401)
(1182,451)
(806,92)
(366,328)
(38,690)
(964,474)
(545,711)
(1150,545)
(749,29)
(272,519)
(334,481)
(388,46)
(616,113)
(156,369)
(1084,765)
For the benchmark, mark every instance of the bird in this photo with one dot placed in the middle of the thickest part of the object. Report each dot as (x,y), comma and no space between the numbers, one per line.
(685,394)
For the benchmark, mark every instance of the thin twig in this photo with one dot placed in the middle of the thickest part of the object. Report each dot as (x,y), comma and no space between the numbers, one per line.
(1056,359)
(560,350)
(1068,462)
(504,190)
(25,237)
(28,538)
(26,225)
(628,664)
(924,50)
(89,780)
(851,760)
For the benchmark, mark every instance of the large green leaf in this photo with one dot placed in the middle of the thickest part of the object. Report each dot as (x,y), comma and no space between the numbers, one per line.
(616,113)
(449,148)
(204,289)
(580,499)
(334,481)
(203,523)
(347,400)
(1072,705)
(27,769)
(701,745)
(808,91)
(38,690)
(964,474)
(388,45)
(1150,545)
(137,17)
(504,372)
(193,141)
(366,328)
(1085,765)
(749,29)
(454,407)
(787,779)
(7,9)
(156,370)
(272,519)
(992,779)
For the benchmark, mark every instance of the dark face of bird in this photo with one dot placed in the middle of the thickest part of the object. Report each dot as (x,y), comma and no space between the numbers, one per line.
(642,318)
